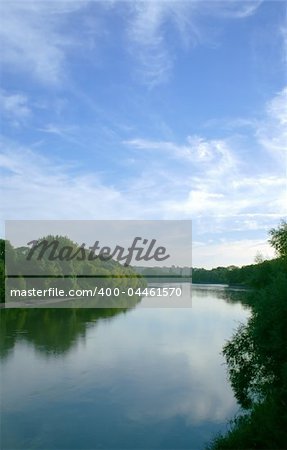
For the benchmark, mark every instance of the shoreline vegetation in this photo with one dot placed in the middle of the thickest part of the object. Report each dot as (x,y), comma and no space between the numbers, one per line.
(69,274)
(256,355)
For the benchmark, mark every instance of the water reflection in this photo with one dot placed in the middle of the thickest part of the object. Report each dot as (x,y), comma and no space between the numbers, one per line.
(50,331)
(147,378)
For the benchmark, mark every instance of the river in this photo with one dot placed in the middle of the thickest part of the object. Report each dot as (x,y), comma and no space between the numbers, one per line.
(149,378)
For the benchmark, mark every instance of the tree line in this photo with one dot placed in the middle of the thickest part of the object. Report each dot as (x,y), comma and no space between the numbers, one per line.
(43,273)
(256,358)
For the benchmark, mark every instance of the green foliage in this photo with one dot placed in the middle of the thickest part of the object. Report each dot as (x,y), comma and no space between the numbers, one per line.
(2,250)
(262,429)
(278,239)
(252,275)
(257,365)
(257,354)
(113,274)
(218,275)
(257,359)
(2,270)
(2,281)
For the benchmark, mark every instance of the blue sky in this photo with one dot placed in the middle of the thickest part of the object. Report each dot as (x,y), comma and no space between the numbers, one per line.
(148,110)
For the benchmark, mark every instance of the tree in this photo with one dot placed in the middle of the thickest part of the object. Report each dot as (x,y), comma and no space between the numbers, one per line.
(2,249)
(257,359)
(278,239)
(259,258)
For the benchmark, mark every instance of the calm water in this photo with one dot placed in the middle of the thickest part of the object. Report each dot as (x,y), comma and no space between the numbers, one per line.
(109,379)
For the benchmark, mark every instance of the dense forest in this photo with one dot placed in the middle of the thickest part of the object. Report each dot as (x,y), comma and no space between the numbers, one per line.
(256,358)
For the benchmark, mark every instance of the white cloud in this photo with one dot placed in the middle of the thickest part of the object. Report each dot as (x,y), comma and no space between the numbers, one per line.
(209,178)
(14,106)
(272,132)
(227,200)
(147,24)
(35,37)
(238,252)
(235,9)
(203,179)
(147,40)
(200,178)
(193,183)
(196,150)
(37,187)
(32,40)
(277,107)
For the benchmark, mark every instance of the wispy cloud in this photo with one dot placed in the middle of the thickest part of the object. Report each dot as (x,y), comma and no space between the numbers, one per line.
(272,133)
(234,9)
(47,189)
(209,178)
(229,178)
(226,199)
(197,150)
(32,40)
(14,106)
(243,252)
(146,33)
(147,24)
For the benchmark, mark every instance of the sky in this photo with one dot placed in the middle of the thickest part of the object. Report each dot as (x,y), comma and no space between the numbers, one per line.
(148,110)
